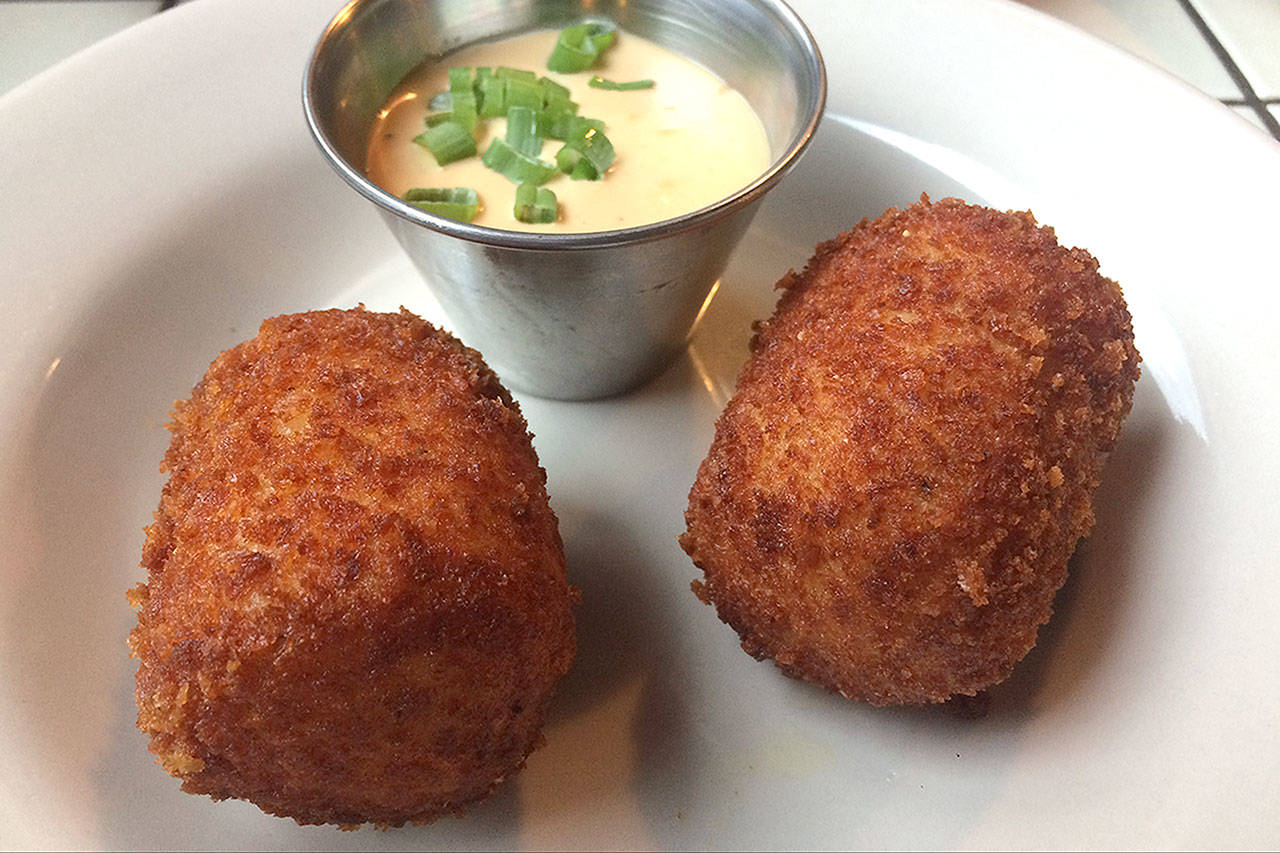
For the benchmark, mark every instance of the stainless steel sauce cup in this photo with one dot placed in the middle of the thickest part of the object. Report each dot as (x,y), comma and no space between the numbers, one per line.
(568,316)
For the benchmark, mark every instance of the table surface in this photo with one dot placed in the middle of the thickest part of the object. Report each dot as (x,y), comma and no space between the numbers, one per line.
(1226,48)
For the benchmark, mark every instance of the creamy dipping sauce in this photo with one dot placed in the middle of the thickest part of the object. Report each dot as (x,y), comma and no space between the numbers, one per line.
(684,144)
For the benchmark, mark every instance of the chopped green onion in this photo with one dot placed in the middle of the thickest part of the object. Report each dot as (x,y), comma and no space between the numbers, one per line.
(567,159)
(523,93)
(477,87)
(580,125)
(493,97)
(459,79)
(570,126)
(465,111)
(463,97)
(517,167)
(536,108)
(553,92)
(579,46)
(459,203)
(432,119)
(515,74)
(447,141)
(522,131)
(587,154)
(535,204)
(557,120)
(598,82)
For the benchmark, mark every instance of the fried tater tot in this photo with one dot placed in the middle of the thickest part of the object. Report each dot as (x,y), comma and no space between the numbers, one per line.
(356,608)
(908,461)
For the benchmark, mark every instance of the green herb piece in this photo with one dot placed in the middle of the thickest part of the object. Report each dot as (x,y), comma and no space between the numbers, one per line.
(553,92)
(515,74)
(477,87)
(459,79)
(463,98)
(432,119)
(493,96)
(556,121)
(535,204)
(447,141)
(523,93)
(459,203)
(585,171)
(578,47)
(587,153)
(580,125)
(522,131)
(516,167)
(598,82)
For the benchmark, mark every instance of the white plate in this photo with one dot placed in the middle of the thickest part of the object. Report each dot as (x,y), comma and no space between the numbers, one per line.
(159,196)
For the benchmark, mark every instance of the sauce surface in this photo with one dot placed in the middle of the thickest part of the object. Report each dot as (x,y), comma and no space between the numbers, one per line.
(684,144)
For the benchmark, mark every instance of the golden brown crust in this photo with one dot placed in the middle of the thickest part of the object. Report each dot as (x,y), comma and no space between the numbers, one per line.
(894,490)
(357,608)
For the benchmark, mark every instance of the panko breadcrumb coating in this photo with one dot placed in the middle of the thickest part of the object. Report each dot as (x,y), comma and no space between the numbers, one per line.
(357,608)
(908,460)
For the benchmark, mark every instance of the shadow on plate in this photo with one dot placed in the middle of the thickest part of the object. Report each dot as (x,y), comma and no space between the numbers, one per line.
(602,733)
(1090,609)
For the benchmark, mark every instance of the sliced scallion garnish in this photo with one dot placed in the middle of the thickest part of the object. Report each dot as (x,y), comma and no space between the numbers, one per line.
(493,96)
(579,46)
(598,82)
(432,119)
(587,154)
(552,91)
(515,73)
(459,203)
(463,98)
(477,88)
(522,131)
(536,108)
(447,141)
(557,120)
(567,159)
(535,204)
(516,167)
(523,93)
(580,125)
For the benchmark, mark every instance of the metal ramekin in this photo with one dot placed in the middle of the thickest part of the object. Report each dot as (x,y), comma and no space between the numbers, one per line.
(568,316)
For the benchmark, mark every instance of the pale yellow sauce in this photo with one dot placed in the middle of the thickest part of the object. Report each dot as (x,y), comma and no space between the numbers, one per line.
(684,144)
